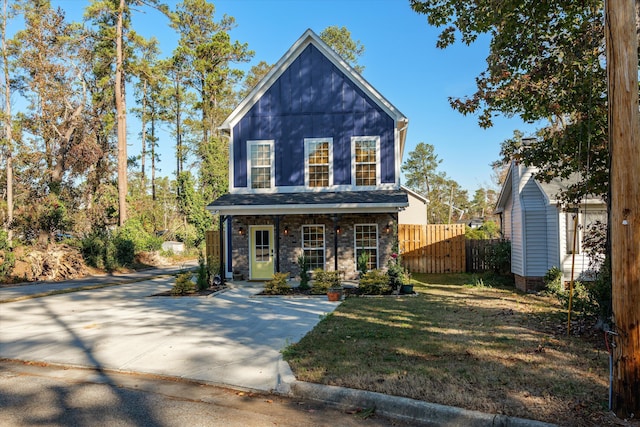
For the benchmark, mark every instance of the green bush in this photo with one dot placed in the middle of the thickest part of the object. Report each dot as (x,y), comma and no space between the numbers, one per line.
(363,262)
(374,282)
(7,258)
(553,283)
(585,296)
(396,273)
(134,232)
(277,285)
(202,281)
(323,280)
(184,285)
(303,264)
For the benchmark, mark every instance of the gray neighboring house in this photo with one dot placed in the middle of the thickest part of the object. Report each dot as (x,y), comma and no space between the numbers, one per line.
(541,230)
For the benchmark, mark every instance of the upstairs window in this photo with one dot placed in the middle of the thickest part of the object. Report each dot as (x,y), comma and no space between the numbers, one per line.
(261,164)
(366,152)
(318,155)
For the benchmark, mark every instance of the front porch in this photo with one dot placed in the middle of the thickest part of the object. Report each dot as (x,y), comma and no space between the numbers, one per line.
(260,245)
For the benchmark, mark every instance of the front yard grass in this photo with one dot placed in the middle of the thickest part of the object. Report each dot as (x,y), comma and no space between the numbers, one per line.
(464,343)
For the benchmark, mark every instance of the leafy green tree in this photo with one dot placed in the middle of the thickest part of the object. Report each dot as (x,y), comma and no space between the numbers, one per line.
(49,69)
(544,65)
(253,77)
(447,200)
(339,38)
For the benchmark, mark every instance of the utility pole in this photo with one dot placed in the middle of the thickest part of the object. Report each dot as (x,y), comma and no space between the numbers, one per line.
(624,213)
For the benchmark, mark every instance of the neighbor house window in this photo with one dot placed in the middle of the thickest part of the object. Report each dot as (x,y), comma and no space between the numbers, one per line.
(366,152)
(586,220)
(261,164)
(318,155)
(313,245)
(366,241)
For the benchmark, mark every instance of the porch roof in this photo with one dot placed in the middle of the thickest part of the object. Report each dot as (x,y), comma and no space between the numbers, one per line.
(378,201)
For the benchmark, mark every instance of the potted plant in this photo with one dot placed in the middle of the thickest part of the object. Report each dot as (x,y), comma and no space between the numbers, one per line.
(399,279)
(327,282)
(237,275)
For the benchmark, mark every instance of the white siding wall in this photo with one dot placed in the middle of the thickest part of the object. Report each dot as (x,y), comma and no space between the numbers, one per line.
(517,256)
(507,219)
(535,227)
(554,249)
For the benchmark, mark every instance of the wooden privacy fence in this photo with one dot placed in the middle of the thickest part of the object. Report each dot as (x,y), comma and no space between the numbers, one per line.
(212,239)
(437,248)
(488,255)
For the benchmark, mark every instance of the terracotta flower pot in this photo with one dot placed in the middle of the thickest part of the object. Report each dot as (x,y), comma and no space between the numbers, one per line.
(334,294)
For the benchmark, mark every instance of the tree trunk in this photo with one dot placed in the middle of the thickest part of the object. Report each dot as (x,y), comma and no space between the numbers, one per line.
(153,158)
(8,127)
(121,118)
(624,215)
(143,149)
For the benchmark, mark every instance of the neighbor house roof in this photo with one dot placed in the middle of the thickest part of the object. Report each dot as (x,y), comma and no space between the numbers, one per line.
(551,189)
(309,37)
(378,201)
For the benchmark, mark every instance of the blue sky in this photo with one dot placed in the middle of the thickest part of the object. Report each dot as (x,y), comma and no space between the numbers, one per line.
(400,60)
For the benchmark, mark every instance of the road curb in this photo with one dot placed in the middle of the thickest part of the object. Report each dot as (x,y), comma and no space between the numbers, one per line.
(406,409)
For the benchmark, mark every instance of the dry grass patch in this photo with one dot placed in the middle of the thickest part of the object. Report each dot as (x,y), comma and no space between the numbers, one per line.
(488,349)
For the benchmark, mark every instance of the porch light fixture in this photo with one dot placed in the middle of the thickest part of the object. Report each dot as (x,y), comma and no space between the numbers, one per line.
(338,230)
(241,231)
(286,230)
(387,229)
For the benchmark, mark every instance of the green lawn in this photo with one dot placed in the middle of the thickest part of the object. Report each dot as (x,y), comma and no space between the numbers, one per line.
(485,347)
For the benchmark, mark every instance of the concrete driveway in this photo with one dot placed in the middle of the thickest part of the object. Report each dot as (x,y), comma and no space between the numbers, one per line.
(232,338)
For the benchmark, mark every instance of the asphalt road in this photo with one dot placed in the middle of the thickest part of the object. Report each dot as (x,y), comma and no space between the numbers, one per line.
(32,394)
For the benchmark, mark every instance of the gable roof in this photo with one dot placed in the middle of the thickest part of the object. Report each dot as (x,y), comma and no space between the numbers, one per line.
(551,190)
(309,37)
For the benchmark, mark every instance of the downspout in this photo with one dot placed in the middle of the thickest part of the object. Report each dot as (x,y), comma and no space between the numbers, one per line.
(277,243)
(335,242)
(222,219)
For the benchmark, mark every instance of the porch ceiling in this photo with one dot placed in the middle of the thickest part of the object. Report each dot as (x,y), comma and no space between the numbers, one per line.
(380,201)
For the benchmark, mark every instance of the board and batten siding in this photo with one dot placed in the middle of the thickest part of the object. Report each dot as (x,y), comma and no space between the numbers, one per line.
(313,99)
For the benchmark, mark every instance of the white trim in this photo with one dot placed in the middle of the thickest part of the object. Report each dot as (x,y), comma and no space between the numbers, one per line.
(414,194)
(304,189)
(309,209)
(307,142)
(354,141)
(272,165)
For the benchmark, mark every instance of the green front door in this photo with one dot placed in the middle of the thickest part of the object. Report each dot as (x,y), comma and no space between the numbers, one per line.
(261,247)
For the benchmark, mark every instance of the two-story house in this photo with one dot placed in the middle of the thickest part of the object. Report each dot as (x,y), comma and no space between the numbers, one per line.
(315,154)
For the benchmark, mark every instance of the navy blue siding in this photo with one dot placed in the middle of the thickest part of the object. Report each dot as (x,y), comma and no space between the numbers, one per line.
(313,99)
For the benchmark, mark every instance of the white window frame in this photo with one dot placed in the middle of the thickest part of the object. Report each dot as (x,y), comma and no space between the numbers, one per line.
(354,142)
(591,215)
(250,145)
(307,153)
(356,247)
(324,244)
